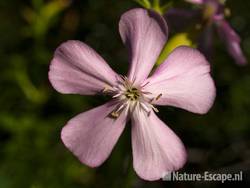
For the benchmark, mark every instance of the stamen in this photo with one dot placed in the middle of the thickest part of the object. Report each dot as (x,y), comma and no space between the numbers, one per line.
(106,89)
(117,95)
(146,92)
(155,109)
(116,113)
(130,96)
(145,107)
(159,96)
(145,84)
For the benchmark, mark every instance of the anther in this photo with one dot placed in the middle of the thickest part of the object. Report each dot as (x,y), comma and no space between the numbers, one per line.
(115,114)
(159,96)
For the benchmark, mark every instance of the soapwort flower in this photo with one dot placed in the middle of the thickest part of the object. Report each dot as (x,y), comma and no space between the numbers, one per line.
(183,81)
(212,14)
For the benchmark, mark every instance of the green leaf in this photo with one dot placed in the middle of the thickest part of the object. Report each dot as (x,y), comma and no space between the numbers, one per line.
(179,39)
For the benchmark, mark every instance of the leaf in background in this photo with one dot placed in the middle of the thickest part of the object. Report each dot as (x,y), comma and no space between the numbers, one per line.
(179,39)
(42,15)
(144,3)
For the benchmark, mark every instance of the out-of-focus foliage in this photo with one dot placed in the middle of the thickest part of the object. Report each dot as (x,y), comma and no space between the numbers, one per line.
(178,39)
(155,5)
(32,113)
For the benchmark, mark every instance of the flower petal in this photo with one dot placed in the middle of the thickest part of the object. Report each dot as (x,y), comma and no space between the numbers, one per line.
(195,1)
(183,81)
(78,69)
(92,135)
(232,40)
(145,33)
(156,148)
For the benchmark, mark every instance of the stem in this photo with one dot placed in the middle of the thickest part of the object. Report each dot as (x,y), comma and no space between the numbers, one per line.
(157,7)
(156,3)
(166,6)
(144,3)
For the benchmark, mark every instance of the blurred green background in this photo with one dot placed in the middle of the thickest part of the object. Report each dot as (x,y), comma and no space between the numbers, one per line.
(32,113)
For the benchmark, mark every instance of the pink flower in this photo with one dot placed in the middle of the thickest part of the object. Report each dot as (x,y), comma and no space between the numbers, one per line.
(212,12)
(183,81)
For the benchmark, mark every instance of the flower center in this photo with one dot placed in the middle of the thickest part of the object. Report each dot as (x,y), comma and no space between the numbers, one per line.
(129,97)
(132,94)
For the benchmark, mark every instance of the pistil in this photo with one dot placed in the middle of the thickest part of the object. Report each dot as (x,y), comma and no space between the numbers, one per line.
(130,96)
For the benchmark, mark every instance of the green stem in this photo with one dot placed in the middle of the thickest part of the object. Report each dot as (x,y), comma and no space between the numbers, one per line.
(144,3)
(157,7)
(156,3)
(166,6)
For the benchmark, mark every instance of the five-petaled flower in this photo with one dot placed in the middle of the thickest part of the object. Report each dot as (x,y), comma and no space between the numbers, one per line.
(183,81)
(213,14)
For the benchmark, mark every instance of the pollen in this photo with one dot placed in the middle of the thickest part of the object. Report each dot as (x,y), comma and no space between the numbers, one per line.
(114,114)
(132,94)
